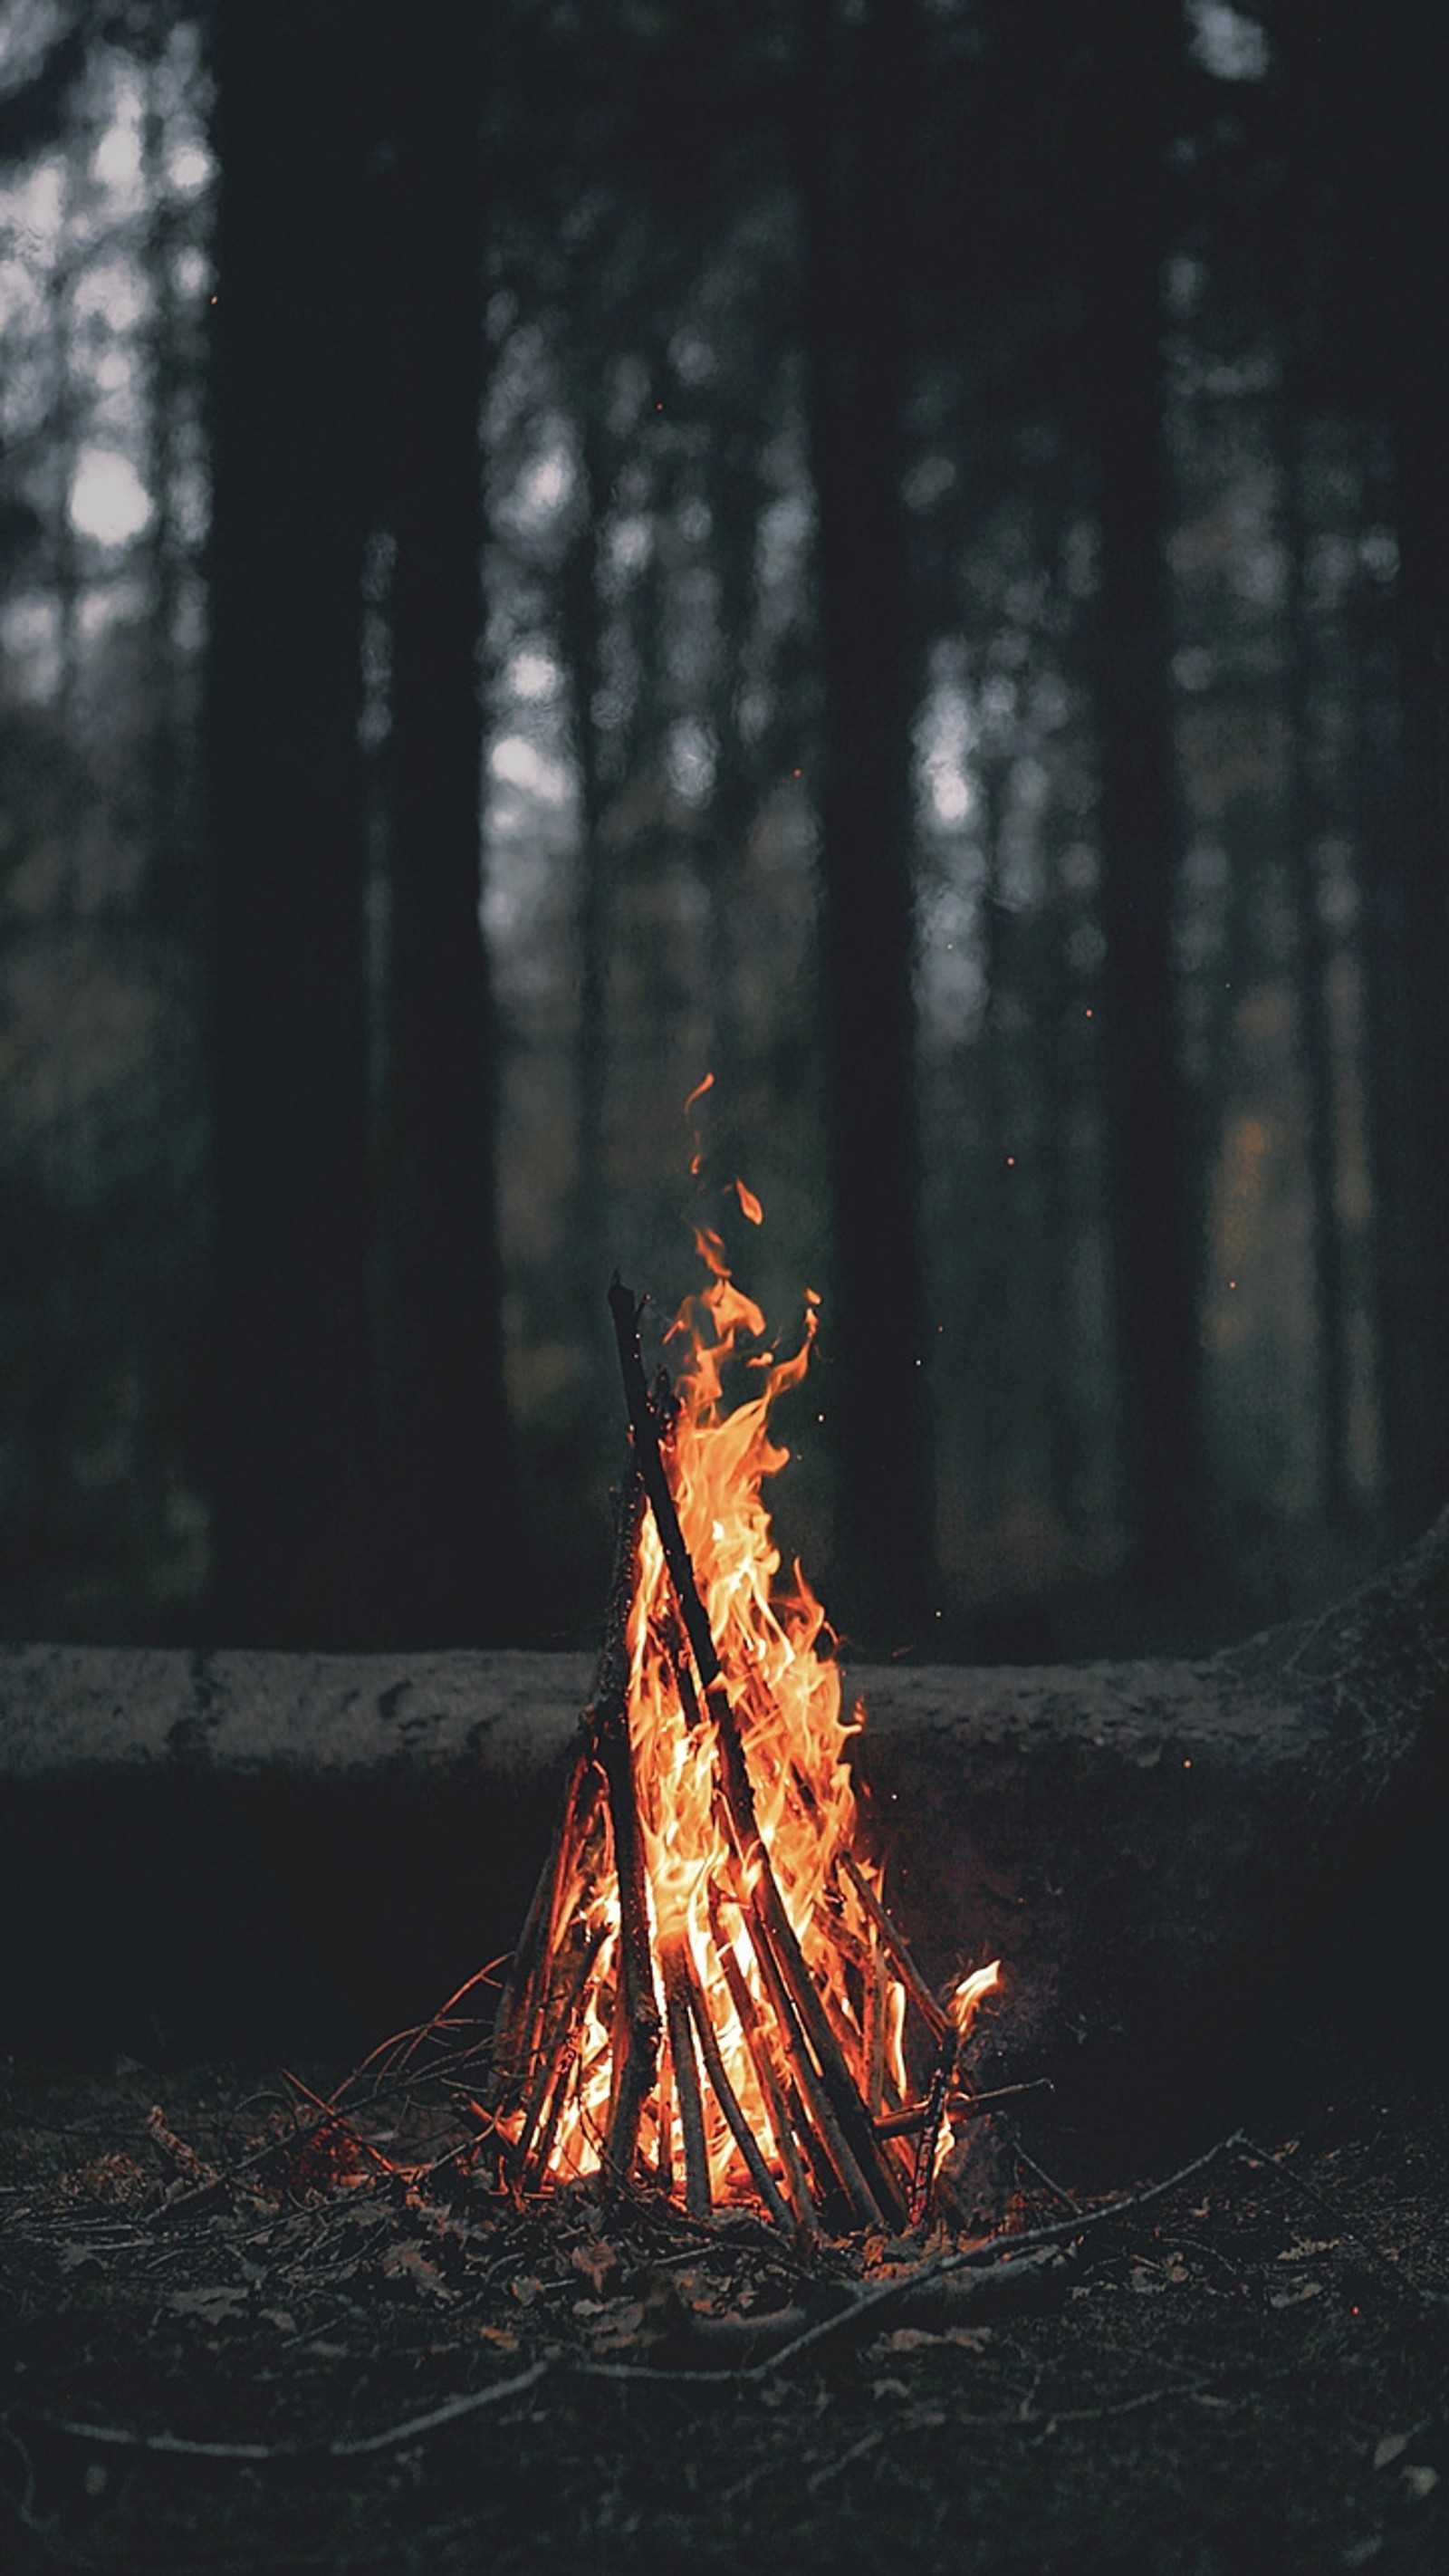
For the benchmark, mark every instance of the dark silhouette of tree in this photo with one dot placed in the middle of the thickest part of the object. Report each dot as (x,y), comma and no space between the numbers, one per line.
(859,101)
(454,1557)
(1408,184)
(1134,70)
(292,1469)
(964,559)
(1303,826)
(1366,162)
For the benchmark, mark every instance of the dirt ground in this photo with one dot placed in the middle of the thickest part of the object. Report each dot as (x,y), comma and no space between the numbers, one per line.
(1249,2371)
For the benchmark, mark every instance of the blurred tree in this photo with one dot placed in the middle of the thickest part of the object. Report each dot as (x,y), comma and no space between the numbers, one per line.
(294,361)
(1135,70)
(1369,221)
(860,104)
(964,572)
(454,1557)
(1400,95)
(1303,828)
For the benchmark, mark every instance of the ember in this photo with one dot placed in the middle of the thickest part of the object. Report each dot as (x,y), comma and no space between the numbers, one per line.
(709,1995)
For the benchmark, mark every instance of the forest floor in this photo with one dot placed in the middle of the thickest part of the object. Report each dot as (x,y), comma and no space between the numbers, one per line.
(1248,2371)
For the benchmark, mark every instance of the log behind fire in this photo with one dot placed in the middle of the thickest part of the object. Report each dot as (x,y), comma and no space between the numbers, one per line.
(193,1848)
(1170,1855)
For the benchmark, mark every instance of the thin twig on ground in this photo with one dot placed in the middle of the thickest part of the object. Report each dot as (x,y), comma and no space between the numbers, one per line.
(173,2445)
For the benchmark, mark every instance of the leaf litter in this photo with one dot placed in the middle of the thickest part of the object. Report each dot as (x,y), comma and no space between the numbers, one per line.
(235,2292)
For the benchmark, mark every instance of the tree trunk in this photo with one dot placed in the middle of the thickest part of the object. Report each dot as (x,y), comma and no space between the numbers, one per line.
(291,1469)
(454,1559)
(1414,1131)
(1154,1252)
(1315,1036)
(581,616)
(859,97)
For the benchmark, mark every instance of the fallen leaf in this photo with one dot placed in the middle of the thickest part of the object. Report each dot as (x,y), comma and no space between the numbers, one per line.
(618,2326)
(210,2305)
(281,2318)
(1295,2298)
(368,2213)
(889,2388)
(500,2337)
(190,2168)
(410,2263)
(81,2258)
(1392,2447)
(1418,2479)
(912,2338)
(595,2262)
(112,2177)
(525,2289)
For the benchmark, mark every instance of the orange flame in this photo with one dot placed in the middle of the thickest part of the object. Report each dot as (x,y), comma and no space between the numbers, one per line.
(968,1995)
(776,1653)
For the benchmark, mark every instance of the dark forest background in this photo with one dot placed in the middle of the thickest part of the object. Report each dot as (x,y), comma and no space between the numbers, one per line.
(897,549)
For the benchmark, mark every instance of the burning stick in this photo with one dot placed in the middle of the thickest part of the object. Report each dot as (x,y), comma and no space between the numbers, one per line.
(875,2034)
(556,2058)
(962,2012)
(638,2010)
(813,2121)
(522,2002)
(934,2015)
(724,2093)
(882,2200)
(686,2077)
(691,1795)
(913,2116)
(765,2076)
(604,1761)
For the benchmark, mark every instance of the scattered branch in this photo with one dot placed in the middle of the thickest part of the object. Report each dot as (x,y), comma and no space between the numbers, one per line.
(173,2446)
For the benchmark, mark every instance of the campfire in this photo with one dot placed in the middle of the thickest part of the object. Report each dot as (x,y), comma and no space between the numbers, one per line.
(709,1997)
